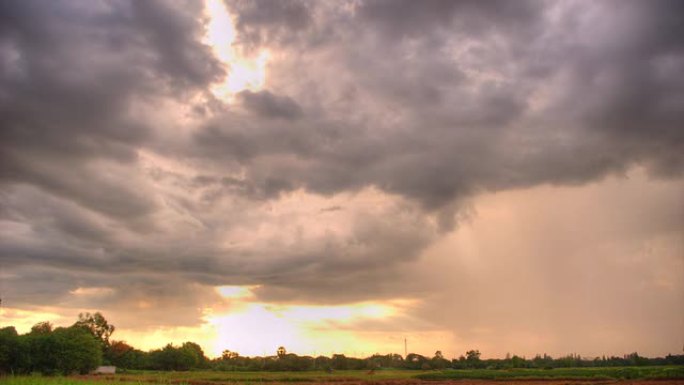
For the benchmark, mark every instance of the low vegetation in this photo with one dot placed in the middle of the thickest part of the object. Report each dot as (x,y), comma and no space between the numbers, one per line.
(357,377)
(620,373)
(86,344)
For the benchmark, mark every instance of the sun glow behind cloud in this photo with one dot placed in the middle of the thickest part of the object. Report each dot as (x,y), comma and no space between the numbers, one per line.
(23,320)
(256,328)
(236,292)
(249,327)
(244,72)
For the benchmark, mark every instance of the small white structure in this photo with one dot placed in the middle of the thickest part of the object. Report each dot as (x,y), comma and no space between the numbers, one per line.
(105,370)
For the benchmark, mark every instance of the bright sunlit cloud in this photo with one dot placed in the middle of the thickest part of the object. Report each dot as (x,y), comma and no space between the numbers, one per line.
(244,72)
(337,313)
(254,328)
(92,291)
(23,320)
(236,292)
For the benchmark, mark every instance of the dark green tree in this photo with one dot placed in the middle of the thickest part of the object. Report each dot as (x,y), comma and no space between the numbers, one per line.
(97,325)
(414,361)
(181,358)
(77,351)
(196,351)
(122,355)
(41,328)
(338,362)
(64,350)
(14,352)
(438,361)
(473,359)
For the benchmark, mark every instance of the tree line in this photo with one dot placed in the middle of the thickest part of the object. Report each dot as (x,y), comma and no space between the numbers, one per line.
(86,345)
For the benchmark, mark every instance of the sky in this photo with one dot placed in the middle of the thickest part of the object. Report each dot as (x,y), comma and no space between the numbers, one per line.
(336,177)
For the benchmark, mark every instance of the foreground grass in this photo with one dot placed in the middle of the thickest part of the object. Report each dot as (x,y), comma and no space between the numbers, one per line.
(619,373)
(195,377)
(261,377)
(39,380)
(256,378)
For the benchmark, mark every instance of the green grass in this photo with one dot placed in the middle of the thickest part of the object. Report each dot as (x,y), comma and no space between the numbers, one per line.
(39,380)
(259,378)
(210,377)
(646,372)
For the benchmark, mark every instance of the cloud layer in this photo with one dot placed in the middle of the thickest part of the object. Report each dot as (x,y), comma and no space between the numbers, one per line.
(379,124)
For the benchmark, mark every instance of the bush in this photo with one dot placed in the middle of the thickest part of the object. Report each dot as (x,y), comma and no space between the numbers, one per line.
(14,354)
(64,351)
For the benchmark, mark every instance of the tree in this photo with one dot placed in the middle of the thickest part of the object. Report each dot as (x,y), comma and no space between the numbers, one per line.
(414,361)
(14,354)
(42,350)
(339,362)
(8,341)
(281,352)
(42,328)
(122,355)
(438,361)
(187,356)
(473,355)
(77,351)
(64,351)
(97,325)
(473,358)
(196,351)
(322,362)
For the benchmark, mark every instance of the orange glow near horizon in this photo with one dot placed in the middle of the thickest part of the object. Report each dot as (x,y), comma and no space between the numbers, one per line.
(256,328)
(252,328)
(23,320)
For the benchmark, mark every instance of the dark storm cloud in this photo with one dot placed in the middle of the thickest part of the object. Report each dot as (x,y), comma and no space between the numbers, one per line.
(408,19)
(471,96)
(269,105)
(270,22)
(429,103)
(70,74)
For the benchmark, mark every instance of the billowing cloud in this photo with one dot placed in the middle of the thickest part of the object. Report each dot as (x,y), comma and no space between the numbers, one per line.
(375,128)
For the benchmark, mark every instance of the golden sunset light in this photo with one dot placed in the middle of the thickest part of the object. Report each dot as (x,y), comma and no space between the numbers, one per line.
(244,73)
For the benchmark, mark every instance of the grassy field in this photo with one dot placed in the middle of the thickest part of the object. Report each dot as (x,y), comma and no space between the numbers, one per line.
(351,376)
(646,372)
(261,377)
(207,377)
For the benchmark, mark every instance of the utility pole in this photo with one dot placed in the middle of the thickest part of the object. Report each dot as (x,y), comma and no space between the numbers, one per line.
(405,348)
